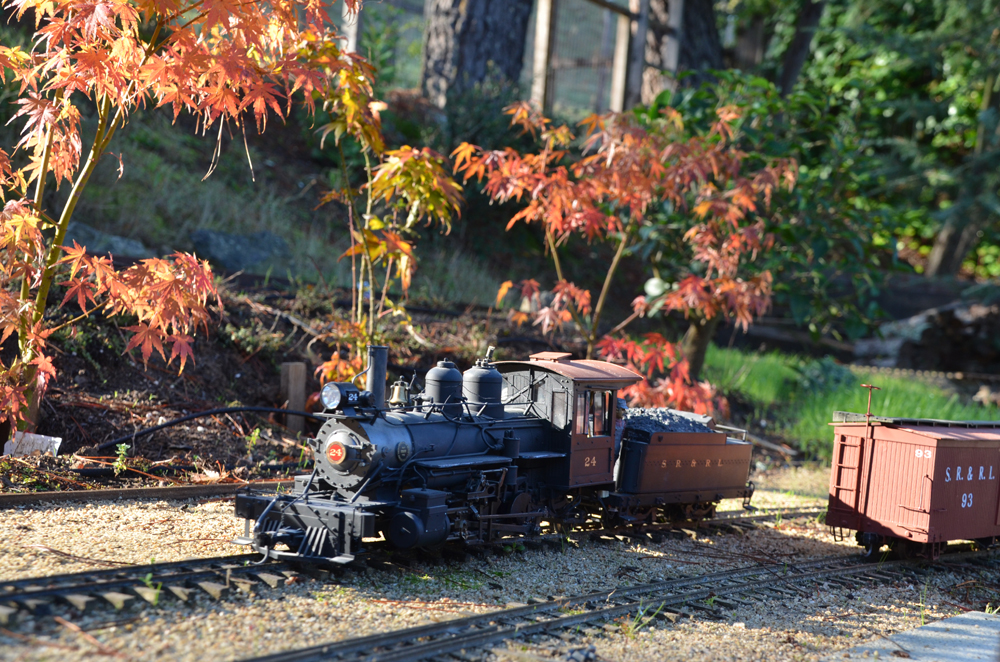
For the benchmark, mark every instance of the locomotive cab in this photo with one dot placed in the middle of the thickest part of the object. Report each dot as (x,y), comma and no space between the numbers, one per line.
(578,398)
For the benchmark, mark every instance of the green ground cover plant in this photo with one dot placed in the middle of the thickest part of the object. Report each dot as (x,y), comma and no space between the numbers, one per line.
(797,396)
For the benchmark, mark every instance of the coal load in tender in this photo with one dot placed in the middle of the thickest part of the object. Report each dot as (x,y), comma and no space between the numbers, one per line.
(641,424)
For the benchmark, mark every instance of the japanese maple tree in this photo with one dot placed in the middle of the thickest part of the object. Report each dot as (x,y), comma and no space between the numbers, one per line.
(406,186)
(227,63)
(628,167)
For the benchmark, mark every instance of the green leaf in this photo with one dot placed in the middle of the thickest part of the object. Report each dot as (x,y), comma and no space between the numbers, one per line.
(800,306)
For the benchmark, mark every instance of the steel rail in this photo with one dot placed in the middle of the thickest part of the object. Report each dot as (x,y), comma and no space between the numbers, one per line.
(45,586)
(716,521)
(11,500)
(118,585)
(480,630)
(476,632)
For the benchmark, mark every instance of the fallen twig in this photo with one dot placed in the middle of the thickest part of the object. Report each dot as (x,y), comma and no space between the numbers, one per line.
(35,642)
(101,648)
(434,606)
(73,557)
(111,464)
(260,307)
(952,604)
(669,559)
(84,486)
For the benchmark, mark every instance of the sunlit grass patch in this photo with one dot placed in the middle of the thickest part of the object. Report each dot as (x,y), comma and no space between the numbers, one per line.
(803,394)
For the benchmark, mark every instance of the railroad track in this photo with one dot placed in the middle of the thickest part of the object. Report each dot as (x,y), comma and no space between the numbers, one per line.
(119,587)
(663,599)
(216,577)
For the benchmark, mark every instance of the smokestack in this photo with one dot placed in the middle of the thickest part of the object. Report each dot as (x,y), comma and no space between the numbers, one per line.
(378,366)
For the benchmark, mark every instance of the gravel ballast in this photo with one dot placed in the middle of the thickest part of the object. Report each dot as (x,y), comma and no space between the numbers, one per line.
(309,612)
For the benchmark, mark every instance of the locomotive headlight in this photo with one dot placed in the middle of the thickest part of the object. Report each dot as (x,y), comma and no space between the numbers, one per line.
(343,396)
(330,395)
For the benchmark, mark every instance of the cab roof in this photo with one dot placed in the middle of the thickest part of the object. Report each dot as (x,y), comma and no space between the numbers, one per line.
(586,372)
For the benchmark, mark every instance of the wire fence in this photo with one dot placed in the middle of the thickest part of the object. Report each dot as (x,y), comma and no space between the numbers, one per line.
(580,62)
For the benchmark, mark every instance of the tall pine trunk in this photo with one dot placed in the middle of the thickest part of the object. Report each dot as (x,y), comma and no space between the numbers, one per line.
(467,41)
(960,232)
(798,51)
(955,240)
(695,47)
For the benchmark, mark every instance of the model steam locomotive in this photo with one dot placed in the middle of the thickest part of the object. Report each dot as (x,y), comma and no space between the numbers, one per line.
(487,454)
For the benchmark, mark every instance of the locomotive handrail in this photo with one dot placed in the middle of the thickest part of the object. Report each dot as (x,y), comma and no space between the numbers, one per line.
(730,428)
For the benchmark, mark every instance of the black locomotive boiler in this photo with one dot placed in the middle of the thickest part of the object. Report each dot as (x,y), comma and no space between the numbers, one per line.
(489,454)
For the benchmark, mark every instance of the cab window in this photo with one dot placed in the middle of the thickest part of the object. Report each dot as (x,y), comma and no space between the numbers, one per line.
(580,413)
(591,414)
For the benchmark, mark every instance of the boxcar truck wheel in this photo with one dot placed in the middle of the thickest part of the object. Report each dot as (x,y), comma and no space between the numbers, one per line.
(985,543)
(871,543)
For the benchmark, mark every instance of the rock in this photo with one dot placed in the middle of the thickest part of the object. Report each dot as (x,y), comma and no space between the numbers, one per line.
(959,337)
(98,242)
(233,252)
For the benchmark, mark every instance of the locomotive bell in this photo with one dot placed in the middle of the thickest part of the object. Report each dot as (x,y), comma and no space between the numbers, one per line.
(400,394)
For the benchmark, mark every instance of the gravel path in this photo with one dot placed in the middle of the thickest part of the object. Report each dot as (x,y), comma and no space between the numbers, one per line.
(309,612)
(104,533)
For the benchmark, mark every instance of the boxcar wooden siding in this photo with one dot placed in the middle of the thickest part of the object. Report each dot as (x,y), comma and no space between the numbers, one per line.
(927,483)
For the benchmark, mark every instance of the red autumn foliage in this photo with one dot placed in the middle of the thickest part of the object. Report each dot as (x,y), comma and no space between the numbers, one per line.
(227,63)
(667,381)
(626,166)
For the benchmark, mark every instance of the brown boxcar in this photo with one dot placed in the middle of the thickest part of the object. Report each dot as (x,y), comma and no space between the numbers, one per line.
(914,484)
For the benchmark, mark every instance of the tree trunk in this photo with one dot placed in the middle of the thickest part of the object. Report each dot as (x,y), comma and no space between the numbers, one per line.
(467,41)
(696,341)
(751,45)
(701,48)
(961,230)
(656,76)
(693,46)
(798,50)
(954,241)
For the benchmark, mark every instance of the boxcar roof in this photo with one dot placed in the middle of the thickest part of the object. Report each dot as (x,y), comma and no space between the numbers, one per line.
(851,417)
(957,434)
(585,371)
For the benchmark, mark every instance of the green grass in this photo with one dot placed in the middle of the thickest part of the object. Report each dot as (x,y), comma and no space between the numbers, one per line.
(448,276)
(803,394)
(762,378)
(899,396)
(161,197)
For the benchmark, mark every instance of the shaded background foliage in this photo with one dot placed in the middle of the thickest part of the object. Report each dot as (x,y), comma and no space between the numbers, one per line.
(890,110)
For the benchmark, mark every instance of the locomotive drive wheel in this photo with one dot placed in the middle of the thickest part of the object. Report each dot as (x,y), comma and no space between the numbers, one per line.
(521,504)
